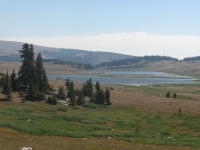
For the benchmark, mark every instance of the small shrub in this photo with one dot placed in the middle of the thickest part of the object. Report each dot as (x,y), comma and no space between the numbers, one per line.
(92,105)
(76,107)
(174,95)
(52,100)
(168,95)
(62,108)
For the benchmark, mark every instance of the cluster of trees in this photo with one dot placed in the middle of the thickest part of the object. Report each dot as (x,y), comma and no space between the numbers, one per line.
(6,85)
(192,58)
(77,97)
(135,60)
(31,80)
(32,83)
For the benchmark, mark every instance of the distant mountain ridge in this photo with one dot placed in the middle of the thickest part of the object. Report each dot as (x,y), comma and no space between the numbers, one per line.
(9,52)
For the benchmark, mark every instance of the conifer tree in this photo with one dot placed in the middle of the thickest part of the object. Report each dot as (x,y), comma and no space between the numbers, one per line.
(61,93)
(39,73)
(67,83)
(7,86)
(100,98)
(97,86)
(107,97)
(13,80)
(26,73)
(88,88)
(41,78)
(80,98)
(71,93)
(46,85)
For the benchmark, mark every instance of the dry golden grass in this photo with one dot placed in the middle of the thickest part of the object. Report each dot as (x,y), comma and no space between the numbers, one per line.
(183,68)
(50,68)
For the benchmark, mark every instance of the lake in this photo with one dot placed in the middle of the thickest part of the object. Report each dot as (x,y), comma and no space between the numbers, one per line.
(167,79)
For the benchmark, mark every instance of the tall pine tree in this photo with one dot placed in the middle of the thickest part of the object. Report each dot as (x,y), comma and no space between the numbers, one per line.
(13,80)
(39,72)
(26,74)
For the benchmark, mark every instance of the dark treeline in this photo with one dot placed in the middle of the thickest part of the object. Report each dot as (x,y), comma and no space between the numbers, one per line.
(135,60)
(192,58)
(77,65)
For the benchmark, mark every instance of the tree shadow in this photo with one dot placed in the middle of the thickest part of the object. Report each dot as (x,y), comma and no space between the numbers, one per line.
(3,99)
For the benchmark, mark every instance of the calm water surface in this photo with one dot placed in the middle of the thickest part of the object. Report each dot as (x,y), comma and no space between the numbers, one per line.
(171,79)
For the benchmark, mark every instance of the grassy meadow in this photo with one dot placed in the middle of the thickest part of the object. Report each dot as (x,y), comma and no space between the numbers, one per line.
(139,118)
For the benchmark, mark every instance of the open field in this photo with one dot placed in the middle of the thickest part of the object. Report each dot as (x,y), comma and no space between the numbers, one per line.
(49,67)
(139,118)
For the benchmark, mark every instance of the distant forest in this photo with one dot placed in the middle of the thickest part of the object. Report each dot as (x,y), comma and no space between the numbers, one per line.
(192,58)
(73,64)
(135,60)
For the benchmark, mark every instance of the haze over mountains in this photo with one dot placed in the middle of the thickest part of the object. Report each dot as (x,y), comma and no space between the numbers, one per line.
(9,52)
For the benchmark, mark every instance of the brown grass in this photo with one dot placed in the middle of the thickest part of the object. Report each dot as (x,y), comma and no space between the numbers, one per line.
(12,140)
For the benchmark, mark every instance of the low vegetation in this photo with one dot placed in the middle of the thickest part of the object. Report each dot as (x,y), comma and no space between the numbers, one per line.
(128,124)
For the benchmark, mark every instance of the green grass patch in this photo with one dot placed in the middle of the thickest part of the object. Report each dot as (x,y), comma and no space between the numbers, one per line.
(114,122)
(62,108)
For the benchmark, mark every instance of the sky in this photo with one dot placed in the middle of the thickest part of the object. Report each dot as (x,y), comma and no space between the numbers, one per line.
(133,27)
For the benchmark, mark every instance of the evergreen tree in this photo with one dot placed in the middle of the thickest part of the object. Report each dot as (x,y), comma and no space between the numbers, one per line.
(61,93)
(80,98)
(33,93)
(168,95)
(174,95)
(97,86)
(71,93)
(100,99)
(13,80)
(88,88)
(52,100)
(7,86)
(39,72)
(46,85)
(41,78)
(67,83)
(32,76)
(107,97)
(26,73)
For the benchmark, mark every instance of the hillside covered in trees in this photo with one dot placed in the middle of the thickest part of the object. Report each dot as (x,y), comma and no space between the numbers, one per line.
(135,61)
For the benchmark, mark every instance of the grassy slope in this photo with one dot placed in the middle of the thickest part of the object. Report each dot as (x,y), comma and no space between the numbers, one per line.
(182,68)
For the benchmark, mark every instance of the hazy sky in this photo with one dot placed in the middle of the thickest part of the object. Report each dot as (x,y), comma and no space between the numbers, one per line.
(135,27)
